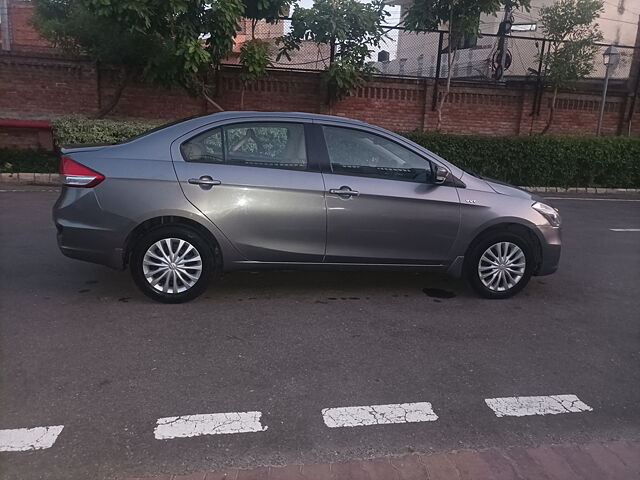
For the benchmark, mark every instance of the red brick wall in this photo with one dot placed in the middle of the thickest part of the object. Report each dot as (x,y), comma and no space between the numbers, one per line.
(39,86)
(23,35)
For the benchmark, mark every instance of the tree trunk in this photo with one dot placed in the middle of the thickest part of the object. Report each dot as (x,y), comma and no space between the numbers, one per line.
(551,111)
(123,80)
(211,101)
(450,59)
(244,88)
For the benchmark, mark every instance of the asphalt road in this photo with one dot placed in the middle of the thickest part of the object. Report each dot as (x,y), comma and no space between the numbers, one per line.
(80,347)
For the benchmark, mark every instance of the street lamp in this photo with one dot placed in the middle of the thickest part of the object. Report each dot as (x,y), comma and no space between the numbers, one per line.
(610,58)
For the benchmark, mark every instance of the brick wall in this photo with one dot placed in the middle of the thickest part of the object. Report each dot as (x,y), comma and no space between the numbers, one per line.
(23,35)
(42,86)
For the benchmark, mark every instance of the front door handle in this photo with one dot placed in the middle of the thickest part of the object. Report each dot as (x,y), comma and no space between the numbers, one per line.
(205,182)
(344,191)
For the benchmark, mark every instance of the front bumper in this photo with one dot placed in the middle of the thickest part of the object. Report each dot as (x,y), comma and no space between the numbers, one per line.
(550,248)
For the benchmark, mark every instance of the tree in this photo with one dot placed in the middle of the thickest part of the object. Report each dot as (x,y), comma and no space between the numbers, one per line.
(569,28)
(462,17)
(255,54)
(177,43)
(349,29)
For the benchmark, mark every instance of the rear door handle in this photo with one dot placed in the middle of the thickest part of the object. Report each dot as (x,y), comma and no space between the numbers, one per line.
(205,182)
(344,191)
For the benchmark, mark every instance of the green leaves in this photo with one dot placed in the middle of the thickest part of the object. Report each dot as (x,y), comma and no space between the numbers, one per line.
(255,58)
(542,160)
(76,129)
(569,26)
(349,28)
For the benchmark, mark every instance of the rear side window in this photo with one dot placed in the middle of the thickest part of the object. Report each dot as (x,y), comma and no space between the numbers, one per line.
(354,152)
(260,144)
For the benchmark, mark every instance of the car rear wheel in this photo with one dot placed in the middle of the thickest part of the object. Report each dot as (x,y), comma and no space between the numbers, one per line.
(499,265)
(172,264)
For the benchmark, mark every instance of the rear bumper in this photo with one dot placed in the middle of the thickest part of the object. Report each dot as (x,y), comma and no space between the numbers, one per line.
(70,239)
(85,231)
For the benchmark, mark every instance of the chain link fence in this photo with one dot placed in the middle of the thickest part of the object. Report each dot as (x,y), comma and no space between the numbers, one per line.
(424,55)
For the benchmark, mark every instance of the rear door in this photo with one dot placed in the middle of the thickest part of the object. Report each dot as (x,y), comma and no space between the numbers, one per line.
(256,183)
(382,204)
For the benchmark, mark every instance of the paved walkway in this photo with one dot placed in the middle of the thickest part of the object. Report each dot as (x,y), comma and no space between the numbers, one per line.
(618,460)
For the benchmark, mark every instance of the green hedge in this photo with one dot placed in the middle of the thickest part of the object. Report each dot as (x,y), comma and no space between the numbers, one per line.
(542,160)
(74,130)
(29,161)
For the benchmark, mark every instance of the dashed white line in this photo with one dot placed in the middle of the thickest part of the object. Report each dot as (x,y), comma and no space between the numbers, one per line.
(625,229)
(544,405)
(25,439)
(378,414)
(208,424)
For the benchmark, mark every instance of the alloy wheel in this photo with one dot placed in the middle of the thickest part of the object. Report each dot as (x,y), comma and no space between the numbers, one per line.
(172,265)
(502,266)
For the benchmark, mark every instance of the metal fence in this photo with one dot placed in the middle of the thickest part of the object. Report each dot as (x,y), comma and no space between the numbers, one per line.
(424,55)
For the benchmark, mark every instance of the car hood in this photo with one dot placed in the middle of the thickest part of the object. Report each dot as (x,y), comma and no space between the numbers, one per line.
(506,189)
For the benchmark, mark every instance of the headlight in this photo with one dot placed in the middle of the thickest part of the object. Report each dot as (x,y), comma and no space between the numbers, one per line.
(548,212)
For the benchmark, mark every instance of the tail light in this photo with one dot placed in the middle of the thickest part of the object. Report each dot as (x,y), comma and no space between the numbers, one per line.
(75,174)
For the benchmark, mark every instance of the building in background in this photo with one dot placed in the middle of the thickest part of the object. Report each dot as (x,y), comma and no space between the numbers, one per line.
(417,54)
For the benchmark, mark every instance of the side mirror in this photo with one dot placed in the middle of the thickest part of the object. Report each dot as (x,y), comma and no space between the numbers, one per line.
(441,175)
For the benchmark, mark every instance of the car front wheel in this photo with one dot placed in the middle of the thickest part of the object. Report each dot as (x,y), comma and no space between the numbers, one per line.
(500,265)
(172,264)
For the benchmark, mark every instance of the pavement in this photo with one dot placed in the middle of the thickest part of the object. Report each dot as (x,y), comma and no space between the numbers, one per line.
(323,374)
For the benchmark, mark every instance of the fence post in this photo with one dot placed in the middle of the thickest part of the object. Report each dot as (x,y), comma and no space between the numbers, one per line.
(436,86)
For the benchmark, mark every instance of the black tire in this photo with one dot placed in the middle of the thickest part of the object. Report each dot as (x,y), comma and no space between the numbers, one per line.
(203,249)
(477,250)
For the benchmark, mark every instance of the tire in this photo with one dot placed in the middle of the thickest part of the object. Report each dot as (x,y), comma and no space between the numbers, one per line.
(499,252)
(159,251)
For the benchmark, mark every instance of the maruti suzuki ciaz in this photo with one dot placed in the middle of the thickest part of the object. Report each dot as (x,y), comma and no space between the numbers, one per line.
(258,190)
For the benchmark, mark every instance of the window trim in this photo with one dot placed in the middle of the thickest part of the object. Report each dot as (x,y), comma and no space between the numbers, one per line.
(312,160)
(328,168)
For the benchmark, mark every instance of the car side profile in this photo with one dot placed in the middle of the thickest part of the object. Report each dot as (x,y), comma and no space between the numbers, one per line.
(256,190)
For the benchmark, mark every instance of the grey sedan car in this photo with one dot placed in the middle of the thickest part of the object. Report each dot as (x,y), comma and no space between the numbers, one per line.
(256,190)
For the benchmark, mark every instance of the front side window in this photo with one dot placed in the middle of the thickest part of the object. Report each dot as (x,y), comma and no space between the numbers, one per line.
(263,144)
(354,152)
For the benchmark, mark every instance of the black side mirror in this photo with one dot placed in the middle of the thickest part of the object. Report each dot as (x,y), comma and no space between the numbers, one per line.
(441,175)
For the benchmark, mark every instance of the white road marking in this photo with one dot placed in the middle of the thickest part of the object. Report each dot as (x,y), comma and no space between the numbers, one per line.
(208,424)
(378,414)
(24,439)
(625,229)
(545,405)
(595,199)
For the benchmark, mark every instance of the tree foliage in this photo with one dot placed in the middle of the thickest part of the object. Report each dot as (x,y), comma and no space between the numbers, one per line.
(349,29)
(569,27)
(168,43)
(460,18)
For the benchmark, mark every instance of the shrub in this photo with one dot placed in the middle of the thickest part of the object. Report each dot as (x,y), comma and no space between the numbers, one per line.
(28,161)
(73,130)
(542,160)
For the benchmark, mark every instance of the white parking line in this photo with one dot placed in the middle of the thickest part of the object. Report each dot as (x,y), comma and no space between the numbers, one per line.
(378,414)
(545,405)
(625,229)
(208,424)
(24,439)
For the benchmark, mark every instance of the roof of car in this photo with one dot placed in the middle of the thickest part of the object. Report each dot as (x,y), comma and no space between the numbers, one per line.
(204,119)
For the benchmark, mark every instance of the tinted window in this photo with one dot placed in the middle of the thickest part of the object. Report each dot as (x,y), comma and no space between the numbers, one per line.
(273,145)
(206,147)
(353,152)
(276,145)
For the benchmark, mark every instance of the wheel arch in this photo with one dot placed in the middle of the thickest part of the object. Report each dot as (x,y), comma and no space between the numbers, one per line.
(529,232)
(172,220)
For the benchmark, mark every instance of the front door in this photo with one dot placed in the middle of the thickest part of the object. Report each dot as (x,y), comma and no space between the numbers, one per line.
(255,183)
(382,205)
